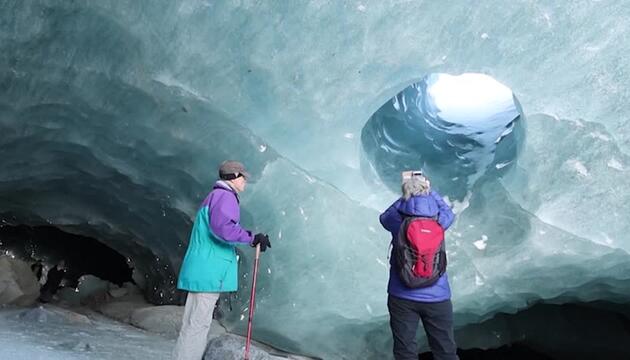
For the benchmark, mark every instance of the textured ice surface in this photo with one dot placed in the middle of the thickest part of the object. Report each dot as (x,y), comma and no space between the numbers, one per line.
(115,114)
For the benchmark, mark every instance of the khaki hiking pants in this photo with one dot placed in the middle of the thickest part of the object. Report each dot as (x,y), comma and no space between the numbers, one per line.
(193,336)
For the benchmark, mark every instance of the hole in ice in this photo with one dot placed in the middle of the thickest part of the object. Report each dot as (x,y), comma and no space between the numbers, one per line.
(455,128)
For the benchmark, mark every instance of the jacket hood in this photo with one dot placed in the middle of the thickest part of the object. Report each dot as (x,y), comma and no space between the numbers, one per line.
(421,205)
(222,185)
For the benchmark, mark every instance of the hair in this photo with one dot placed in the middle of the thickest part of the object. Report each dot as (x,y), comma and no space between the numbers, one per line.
(417,185)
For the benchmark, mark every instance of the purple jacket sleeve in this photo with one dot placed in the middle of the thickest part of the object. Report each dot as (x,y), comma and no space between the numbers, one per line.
(446,215)
(224,219)
(391,219)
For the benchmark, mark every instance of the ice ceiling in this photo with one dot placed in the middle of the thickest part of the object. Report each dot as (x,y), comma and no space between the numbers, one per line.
(115,114)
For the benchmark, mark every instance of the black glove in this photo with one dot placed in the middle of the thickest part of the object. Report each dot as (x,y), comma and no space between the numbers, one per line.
(263,240)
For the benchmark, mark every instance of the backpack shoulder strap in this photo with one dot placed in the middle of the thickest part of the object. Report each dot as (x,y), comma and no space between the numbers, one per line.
(405,216)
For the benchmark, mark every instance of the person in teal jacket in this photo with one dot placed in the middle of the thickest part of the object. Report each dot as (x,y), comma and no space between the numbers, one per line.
(210,266)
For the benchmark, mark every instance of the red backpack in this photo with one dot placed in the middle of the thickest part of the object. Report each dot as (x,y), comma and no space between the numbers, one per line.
(419,251)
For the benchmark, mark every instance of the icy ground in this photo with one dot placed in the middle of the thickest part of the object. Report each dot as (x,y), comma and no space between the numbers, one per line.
(54,333)
(51,333)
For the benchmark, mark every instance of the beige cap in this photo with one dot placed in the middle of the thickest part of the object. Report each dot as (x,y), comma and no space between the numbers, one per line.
(230,170)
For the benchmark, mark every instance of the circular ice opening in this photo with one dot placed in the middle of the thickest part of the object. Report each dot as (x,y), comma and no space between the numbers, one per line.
(458,129)
(469,99)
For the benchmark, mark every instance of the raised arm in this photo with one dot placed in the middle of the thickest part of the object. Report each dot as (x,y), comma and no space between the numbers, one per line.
(224,219)
(445,215)
(391,219)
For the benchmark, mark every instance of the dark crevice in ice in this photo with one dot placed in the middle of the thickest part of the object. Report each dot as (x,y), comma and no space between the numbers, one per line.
(576,331)
(511,352)
(82,255)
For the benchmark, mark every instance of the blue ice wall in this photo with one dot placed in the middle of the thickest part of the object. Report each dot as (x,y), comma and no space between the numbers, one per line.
(115,114)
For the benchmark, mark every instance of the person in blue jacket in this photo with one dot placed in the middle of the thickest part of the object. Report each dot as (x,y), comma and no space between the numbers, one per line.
(430,304)
(210,265)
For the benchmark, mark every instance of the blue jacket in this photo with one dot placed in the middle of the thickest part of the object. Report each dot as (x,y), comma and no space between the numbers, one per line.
(431,205)
(210,263)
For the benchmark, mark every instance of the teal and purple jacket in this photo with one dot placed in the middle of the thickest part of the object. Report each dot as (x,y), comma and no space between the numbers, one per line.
(210,263)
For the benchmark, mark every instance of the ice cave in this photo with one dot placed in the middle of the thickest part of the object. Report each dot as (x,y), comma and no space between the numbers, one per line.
(115,115)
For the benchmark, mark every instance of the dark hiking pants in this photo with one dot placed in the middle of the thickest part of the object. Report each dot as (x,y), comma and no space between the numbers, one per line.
(437,319)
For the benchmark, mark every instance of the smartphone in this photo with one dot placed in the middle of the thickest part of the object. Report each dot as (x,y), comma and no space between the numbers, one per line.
(409,174)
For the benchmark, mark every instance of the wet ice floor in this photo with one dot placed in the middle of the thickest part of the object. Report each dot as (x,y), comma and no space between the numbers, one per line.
(52,333)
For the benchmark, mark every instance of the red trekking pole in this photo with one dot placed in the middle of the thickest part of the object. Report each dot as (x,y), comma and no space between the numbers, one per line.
(252,303)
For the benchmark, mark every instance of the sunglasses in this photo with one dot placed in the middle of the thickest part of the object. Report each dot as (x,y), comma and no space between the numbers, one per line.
(232,176)
(406,175)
